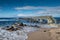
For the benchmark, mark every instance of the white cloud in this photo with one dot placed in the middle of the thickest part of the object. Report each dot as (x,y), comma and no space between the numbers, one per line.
(54,11)
(37,7)
(26,8)
(25,15)
(21,15)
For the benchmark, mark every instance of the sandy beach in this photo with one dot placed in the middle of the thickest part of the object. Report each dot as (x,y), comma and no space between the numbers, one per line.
(39,35)
(45,34)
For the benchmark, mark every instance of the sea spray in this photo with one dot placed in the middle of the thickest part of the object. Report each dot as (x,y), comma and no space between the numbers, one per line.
(16,35)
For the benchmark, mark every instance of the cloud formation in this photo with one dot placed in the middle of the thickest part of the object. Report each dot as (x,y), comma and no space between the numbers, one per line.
(27,8)
(37,7)
(21,15)
(54,11)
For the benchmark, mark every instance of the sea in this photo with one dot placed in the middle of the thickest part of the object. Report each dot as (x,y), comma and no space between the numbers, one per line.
(6,35)
(11,21)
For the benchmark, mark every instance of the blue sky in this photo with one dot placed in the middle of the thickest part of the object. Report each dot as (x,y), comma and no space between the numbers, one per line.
(17,8)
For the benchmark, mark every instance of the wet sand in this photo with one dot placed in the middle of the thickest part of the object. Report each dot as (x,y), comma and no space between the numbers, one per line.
(45,34)
(39,35)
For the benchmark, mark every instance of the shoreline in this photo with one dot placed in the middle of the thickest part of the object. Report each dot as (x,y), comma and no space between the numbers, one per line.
(33,33)
(38,35)
(19,34)
(45,34)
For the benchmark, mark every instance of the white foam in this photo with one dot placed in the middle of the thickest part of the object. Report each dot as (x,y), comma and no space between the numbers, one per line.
(15,35)
(6,35)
